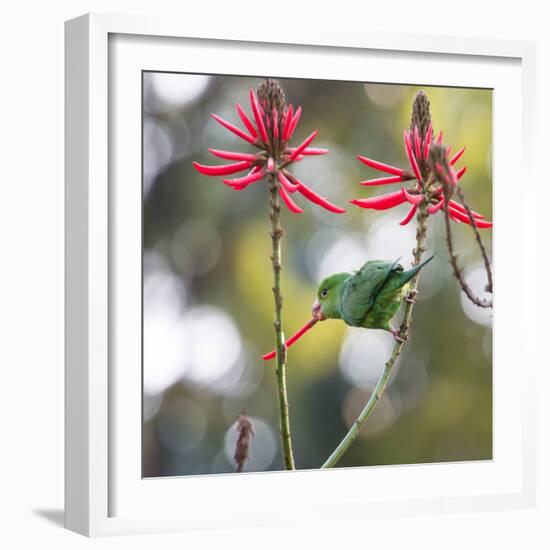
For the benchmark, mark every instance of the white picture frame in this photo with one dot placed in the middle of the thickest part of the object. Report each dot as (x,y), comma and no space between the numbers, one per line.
(104,491)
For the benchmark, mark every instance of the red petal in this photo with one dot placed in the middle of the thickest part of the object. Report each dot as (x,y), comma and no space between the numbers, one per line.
(304,144)
(258,116)
(245,180)
(292,339)
(231,155)
(275,124)
(241,186)
(460,173)
(382,181)
(246,121)
(458,206)
(454,218)
(440,138)
(413,199)
(460,216)
(382,202)
(288,119)
(234,129)
(309,150)
(290,204)
(464,218)
(381,166)
(483,224)
(288,185)
(412,159)
(457,156)
(317,199)
(223,170)
(432,209)
(416,142)
(409,215)
(294,122)
(428,141)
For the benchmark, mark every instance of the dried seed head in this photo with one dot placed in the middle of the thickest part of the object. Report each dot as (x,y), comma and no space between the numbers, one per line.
(438,155)
(271,96)
(441,169)
(242,447)
(421,116)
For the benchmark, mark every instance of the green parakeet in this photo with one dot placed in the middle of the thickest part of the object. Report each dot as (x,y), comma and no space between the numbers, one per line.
(367,298)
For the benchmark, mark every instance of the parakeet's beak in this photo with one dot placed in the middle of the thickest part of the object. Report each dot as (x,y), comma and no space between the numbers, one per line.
(316,311)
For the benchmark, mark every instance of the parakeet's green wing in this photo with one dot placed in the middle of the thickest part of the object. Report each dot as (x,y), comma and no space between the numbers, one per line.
(362,289)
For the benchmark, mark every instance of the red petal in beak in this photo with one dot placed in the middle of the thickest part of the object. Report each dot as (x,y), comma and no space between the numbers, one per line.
(292,339)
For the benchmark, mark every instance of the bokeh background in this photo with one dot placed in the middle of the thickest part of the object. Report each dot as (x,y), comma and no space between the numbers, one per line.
(207,286)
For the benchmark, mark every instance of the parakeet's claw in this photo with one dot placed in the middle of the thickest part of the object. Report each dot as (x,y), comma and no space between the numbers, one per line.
(411,296)
(402,338)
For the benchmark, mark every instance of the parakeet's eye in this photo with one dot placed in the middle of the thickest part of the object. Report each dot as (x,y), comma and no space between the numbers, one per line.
(324,292)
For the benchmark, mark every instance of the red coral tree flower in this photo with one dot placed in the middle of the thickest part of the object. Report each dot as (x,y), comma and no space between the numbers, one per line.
(428,179)
(270,129)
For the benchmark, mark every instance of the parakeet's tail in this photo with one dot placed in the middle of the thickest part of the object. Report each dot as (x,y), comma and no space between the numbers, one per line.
(406,276)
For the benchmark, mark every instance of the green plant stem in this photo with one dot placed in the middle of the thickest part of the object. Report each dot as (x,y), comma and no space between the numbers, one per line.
(280,367)
(353,432)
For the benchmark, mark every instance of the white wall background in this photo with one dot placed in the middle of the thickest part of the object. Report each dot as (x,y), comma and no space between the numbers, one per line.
(31,268)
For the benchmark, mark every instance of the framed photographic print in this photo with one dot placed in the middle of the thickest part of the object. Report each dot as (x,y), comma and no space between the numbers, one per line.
(292,270)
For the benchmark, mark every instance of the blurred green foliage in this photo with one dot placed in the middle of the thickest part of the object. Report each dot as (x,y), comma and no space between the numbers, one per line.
(206,263)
